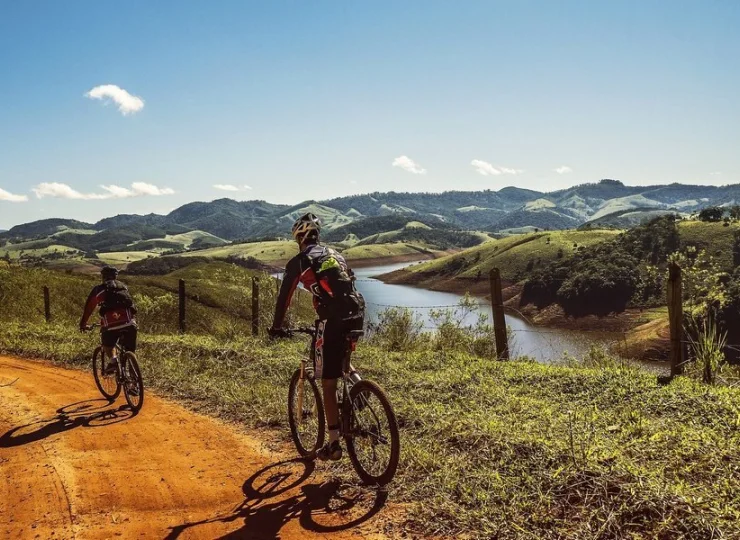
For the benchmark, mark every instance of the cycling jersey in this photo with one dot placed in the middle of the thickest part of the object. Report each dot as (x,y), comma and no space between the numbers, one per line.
(113,318)
(328,303)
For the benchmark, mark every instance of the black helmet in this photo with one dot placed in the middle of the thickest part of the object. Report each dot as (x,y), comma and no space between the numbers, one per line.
(109,272)
(306,225)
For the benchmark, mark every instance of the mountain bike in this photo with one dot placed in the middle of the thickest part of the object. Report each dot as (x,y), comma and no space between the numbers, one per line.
(127,375)
(367,421)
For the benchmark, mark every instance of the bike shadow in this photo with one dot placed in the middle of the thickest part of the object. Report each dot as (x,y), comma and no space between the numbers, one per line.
(88,413)
(277,495)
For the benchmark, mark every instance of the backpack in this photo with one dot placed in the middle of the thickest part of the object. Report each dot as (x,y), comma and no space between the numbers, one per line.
(335,287)
(116,297)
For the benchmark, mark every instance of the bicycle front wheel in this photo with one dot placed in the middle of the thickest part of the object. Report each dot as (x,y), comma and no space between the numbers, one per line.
(133,384)
(107,384)
(373,442)
(305,415)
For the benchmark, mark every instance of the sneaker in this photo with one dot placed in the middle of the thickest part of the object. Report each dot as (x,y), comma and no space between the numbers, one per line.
(330,451)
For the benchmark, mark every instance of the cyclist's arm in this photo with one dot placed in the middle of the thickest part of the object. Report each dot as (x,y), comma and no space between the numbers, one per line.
(290,281)
(94,298)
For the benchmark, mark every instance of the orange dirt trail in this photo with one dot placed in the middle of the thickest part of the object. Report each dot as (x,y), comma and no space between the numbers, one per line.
(74,466)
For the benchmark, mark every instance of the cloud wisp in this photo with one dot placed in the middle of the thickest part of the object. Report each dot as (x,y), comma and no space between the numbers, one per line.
(408,164)
(488,169)
(10,197)
(231,187)
(127,103)
(563,169)
(64,191)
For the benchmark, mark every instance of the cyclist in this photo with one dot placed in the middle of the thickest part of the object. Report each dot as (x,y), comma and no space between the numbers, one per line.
(340,308)
(117,315)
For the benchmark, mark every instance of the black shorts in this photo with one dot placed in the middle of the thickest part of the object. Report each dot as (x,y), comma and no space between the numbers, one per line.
(125,336)
(331,346)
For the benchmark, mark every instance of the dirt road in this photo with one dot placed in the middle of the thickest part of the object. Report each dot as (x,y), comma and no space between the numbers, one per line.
(74,466)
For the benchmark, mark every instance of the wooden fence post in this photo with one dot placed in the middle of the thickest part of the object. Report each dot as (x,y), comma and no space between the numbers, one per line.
(675,318)
(181,311)
(255,306)
(47,306)
(499,320)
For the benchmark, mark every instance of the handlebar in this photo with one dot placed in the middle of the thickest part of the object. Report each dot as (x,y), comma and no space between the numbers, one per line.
(302,330)
(290,332)
(90,327)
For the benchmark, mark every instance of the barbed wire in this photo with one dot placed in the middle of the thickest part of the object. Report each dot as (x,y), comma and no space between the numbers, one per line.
(438,306)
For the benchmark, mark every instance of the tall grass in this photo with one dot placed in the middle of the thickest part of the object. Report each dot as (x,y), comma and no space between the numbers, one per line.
(708,347)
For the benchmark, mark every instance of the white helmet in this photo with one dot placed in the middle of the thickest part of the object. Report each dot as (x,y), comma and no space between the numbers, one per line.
(304,225)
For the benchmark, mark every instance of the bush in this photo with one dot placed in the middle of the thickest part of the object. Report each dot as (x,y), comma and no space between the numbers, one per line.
(711,214)
(397,329)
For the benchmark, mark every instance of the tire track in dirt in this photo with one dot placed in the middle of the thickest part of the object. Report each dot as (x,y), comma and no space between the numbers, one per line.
(74,466)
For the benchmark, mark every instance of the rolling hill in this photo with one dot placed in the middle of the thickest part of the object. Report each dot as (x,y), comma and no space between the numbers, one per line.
(373,218)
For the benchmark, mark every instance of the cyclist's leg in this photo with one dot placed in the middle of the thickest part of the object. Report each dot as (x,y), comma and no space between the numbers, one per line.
(127,338)
(108,340)
(329,354)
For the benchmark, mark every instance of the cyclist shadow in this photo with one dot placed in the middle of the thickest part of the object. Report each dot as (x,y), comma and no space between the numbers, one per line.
(322,507)
(88,413)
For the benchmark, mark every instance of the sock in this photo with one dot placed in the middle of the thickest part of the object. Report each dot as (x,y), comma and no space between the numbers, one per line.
(333,433)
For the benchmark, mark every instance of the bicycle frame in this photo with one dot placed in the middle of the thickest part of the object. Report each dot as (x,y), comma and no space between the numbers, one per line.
(344,410)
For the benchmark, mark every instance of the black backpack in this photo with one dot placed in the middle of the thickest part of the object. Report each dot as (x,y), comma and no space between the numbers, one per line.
(344,301)
(116,297)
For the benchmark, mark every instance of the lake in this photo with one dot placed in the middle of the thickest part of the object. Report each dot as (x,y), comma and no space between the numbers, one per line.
(547,345)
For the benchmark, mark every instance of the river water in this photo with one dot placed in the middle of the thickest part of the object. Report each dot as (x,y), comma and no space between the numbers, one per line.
(546,345)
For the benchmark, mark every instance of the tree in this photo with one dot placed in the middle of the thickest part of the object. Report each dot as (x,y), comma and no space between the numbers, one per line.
(711,213)
(735,212)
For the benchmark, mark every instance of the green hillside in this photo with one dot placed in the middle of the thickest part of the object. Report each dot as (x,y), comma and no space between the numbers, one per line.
(268,252)
(377,251)
(513,254)
(219,297)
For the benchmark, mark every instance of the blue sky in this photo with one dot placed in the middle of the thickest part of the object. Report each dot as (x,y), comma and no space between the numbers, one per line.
(304,100)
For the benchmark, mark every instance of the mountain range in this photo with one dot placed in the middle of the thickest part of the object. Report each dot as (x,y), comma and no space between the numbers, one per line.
(509,209)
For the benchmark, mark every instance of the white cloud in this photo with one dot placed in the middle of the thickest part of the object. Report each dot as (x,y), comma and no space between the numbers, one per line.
(142,188)
(408,164)
(485,168)
(231,187)
(7,196)
(715,173)
(563,169)
(63,191)
(488,169)
(127,103)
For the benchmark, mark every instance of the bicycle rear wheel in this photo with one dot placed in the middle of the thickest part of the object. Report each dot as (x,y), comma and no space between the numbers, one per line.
(306,419)
(133,384)
(107,384)
(373,442)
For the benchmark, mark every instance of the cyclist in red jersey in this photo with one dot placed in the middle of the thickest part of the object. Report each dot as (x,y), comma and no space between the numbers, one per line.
(117,315)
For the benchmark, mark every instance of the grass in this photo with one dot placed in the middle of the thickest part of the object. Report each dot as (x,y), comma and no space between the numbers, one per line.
(186,239)
(219,298)
(123,257)
(513,253)
(14,251)
(489,449)
(372,251)
(714,237)
(268,252)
